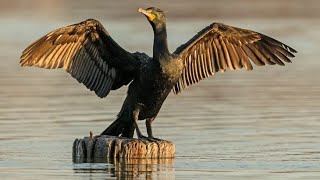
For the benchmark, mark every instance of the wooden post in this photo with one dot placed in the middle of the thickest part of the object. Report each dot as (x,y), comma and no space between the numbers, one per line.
(110,147)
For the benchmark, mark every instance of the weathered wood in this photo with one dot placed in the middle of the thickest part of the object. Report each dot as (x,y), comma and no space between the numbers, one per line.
(110,147)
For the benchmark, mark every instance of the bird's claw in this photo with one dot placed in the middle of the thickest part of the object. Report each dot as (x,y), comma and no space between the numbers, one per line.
(155,139)
(140,136)
(148,138)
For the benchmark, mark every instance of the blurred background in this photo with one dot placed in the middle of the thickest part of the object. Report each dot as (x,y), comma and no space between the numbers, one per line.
(236,125)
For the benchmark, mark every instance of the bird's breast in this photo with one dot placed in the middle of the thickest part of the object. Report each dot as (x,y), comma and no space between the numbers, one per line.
(171,68)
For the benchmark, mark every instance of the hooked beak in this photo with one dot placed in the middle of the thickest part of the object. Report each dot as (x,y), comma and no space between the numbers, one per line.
(148,14)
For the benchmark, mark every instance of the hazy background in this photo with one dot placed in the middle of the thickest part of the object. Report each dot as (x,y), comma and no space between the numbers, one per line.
(237,125)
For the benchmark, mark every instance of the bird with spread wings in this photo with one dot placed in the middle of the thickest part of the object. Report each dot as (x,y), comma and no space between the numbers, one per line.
(87,51)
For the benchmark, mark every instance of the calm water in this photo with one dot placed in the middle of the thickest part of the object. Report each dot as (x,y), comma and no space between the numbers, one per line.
(238,125)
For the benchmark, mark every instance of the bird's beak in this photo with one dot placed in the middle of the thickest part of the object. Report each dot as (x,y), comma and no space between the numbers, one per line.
(148,14)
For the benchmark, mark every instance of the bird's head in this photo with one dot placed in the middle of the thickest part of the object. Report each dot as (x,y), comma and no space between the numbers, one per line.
(155,16)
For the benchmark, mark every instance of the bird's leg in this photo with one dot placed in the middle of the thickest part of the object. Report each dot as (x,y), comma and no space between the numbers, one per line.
(149,121)
(135,118)
(149,128)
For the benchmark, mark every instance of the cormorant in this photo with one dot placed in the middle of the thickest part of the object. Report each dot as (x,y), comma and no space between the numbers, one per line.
(90,55)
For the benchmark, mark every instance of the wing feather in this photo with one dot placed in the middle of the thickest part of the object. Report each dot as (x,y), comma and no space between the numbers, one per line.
(220,54)
(210,64)
(271,55)
(245,59)
(226,54)
(252,56)
(234,56)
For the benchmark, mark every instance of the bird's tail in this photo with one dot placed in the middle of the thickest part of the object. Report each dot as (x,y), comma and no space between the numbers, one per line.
(120,127)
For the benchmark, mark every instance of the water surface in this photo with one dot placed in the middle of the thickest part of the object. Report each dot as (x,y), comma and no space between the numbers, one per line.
(237,125)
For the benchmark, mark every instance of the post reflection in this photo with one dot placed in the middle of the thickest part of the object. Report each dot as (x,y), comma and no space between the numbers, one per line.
(128,168)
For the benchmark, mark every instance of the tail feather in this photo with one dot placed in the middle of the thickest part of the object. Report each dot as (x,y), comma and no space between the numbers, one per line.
(121,128)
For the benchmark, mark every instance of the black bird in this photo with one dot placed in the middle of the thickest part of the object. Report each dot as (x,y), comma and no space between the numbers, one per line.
(90,55)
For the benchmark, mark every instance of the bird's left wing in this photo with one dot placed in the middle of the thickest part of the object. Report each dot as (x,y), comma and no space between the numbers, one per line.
(219,47)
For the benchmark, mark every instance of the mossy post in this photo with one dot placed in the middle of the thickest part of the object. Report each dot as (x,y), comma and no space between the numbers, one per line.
(110,147)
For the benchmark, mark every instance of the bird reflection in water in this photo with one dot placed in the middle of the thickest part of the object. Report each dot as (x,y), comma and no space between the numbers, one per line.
(127,168)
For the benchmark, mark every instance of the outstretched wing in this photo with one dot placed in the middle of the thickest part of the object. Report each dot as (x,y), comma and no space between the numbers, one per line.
(219,47)
(88,53)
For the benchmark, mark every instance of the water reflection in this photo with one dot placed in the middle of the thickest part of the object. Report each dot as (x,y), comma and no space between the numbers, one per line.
(128,168)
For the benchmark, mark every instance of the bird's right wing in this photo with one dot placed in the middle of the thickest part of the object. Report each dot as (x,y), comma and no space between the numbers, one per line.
(88,53)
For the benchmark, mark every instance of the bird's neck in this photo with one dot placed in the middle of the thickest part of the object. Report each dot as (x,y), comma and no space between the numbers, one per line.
(160,44)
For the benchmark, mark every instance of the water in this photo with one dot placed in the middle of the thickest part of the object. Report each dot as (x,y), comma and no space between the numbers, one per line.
(237,125)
